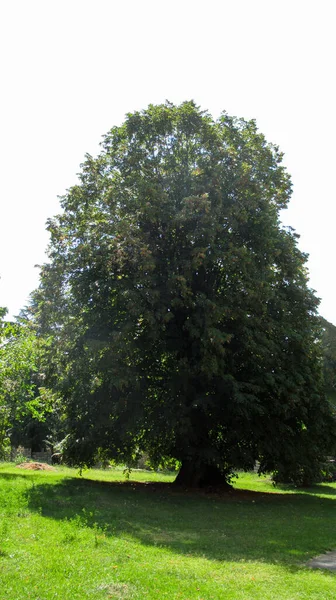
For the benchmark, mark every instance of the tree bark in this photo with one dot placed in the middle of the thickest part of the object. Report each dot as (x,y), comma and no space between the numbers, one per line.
(195,475)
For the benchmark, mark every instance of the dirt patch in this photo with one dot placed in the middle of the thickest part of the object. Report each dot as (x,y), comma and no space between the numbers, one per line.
(35,466)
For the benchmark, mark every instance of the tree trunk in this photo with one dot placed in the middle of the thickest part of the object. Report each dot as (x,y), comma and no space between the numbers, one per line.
(195,475)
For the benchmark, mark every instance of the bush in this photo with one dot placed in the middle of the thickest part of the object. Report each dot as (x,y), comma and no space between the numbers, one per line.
(329,471)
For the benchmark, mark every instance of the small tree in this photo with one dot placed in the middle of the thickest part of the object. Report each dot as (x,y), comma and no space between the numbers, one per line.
(182,321)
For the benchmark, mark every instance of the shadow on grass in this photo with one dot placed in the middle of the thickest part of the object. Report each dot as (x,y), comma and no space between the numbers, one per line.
(323,488)
(285,529)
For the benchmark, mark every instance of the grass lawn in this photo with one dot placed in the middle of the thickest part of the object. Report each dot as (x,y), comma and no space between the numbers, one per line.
(68,537)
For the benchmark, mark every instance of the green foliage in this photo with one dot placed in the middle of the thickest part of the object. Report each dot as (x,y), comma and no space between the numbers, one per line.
(181,321)
(4,440)
(329,355)
(25,403)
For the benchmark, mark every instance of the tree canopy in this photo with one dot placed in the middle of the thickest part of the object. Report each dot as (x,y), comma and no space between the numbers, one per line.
(181,319)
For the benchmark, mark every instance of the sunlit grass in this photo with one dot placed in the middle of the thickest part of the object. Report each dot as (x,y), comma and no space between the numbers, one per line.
(67,537)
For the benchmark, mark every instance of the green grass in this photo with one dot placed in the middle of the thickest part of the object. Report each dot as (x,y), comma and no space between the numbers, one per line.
(67,537)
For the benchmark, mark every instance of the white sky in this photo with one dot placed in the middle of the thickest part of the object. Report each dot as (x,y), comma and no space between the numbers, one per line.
(70,70)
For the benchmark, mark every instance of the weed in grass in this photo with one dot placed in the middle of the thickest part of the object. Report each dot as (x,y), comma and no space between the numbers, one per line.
(69,537)
(99,534)
(4,530)
(80,520)
(4,535)
(72,528)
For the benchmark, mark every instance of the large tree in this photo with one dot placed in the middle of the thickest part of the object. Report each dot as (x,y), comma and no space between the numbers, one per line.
(181,318)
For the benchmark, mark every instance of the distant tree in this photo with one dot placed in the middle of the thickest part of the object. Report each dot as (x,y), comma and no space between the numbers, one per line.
(179,309)
(25,403)
(3,412)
